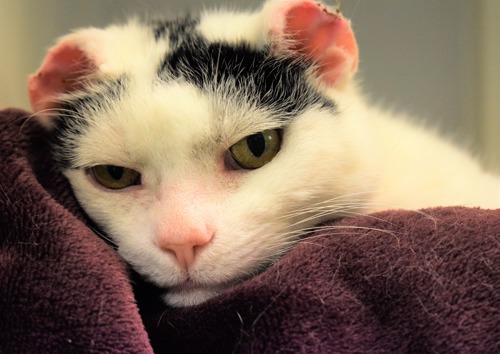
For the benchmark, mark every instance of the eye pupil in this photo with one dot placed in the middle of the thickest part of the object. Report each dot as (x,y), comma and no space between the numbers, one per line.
(116,172)
(254,151)
(257,144)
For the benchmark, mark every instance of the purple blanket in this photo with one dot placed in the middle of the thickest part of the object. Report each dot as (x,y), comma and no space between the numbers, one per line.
(397,281)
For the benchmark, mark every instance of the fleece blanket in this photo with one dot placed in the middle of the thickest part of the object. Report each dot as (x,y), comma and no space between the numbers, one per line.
(391,282)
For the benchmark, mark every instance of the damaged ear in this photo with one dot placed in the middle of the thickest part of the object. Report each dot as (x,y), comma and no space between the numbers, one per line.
(65,69)
(311,30)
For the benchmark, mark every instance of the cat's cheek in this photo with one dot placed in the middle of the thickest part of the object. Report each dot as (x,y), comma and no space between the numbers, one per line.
(115,211)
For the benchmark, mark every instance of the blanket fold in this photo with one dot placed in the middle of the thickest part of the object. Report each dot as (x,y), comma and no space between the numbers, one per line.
(62,289)
(395,281)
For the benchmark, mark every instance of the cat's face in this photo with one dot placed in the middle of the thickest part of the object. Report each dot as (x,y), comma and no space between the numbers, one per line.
(204,159)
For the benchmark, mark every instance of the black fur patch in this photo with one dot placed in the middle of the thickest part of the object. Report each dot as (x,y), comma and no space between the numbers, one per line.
(177,30)
(71,121)
(277,83)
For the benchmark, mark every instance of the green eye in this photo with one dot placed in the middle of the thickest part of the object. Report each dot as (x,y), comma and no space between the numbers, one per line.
(115,177)
(256,150)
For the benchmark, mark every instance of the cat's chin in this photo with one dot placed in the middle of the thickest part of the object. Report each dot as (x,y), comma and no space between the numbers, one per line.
(189,295)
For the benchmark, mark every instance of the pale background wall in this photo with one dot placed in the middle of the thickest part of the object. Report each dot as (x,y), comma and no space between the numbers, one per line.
(433,58)
(490,80)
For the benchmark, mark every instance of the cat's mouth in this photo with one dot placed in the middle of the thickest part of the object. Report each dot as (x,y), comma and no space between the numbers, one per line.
(187,285)
(190,293)
(191,285)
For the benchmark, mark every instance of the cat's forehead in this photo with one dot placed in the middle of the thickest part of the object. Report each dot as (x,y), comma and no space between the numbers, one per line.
(223,54)
(219,61)
(172,124)
(214,26)
(175,122)
(203,94)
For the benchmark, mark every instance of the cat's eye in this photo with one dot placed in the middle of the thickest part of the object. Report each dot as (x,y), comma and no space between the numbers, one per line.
(115,177)
(256,150)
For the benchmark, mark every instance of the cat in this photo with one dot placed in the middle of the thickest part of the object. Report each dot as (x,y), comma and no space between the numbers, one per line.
(205,146)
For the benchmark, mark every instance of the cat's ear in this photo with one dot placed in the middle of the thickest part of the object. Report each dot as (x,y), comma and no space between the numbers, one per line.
(322,35)
(68,65)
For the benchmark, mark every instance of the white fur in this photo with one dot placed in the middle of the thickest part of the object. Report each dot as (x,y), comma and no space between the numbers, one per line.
(231,27)
(416,167)
(120,48)
(360,160)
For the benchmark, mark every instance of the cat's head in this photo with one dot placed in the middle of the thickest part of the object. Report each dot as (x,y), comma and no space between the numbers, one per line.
(205,146)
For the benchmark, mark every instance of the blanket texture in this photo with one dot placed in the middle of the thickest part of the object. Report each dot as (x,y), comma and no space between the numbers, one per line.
(391,282)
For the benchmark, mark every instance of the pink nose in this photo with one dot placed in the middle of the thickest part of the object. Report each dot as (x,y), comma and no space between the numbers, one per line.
(184,247)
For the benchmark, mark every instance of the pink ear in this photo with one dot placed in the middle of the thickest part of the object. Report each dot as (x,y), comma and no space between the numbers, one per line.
(312,30)
(63,71)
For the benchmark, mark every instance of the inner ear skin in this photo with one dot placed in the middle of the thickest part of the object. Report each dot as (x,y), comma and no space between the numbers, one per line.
(323,37)
(63,71)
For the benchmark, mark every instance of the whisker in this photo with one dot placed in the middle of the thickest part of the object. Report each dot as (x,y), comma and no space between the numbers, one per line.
(105,237)
(335,211)
(334,207)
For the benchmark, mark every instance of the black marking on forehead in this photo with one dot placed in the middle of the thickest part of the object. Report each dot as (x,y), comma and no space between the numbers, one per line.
(72,120)
(276,83)
(177,30)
